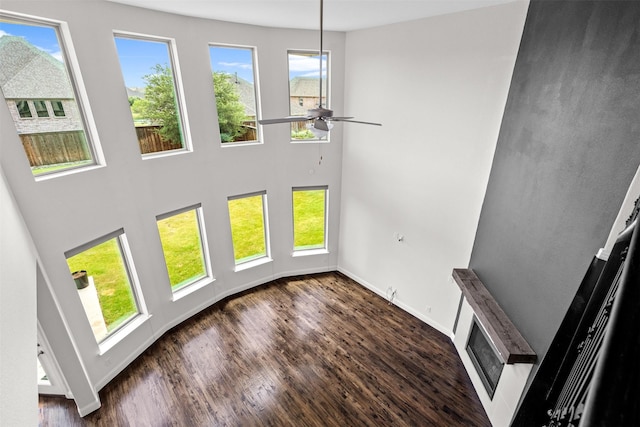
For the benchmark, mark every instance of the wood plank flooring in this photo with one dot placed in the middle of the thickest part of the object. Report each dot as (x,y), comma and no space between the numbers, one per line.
(316,350)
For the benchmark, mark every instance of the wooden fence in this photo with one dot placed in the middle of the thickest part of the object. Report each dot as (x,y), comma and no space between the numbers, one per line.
(151,142)
(52,148)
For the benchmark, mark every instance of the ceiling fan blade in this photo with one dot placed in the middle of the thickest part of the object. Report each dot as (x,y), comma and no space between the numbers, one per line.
(288,119)
(339,119)
(321,125)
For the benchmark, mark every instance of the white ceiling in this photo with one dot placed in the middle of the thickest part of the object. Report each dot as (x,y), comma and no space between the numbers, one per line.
(339,15)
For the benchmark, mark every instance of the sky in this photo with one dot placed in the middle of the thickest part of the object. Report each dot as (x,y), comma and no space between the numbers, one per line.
(138,57)
(44,38)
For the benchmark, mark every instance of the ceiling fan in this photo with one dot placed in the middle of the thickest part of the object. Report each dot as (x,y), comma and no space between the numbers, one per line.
(321,117)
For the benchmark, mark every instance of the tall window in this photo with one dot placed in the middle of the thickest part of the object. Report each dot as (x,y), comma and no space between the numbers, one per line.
(103,279)
(309,218)
(34,67)
(181,237)
(249,231)
(235,90)
(304,89)
(148,69)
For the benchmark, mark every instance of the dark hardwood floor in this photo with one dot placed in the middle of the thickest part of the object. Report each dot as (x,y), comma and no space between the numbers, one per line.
(317,350)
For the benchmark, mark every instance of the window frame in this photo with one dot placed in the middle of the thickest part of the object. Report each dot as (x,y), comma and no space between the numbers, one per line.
(327,90)
(55,110)
(133,321)
(204,251)
(43,111)
(181,106)
(72,67)
(318,250)
(23,102)
(252,262)
(256,90)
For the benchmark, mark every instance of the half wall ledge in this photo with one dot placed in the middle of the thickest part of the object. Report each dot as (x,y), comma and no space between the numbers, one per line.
(507,339)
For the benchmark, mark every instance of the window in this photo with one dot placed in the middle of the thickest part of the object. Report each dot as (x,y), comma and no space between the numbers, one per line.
(23,109)
(304,89)
(102,277)
(58,109)
(234,87)
(35,48)
(181,237)
(41,108)
(152,87)
(309,218)
(247,214)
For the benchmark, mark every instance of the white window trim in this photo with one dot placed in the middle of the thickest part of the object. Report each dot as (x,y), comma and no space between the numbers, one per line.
(179,90)
(256,83)
(313,251)
(142,314)
(79,91)
(265,219)
(327,91)
(201,281)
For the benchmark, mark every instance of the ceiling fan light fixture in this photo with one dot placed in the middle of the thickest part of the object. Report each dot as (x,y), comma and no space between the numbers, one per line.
(320,117)
(317,127)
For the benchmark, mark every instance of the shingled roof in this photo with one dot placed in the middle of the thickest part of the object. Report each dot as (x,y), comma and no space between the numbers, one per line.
(30,73)
(306,87)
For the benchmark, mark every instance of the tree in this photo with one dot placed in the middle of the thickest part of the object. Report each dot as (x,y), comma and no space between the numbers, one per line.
(230,110)
(159,104)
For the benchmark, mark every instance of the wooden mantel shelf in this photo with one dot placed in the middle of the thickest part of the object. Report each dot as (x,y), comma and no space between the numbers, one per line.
(510,344)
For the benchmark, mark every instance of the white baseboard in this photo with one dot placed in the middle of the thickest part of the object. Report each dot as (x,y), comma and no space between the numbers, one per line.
(415,313)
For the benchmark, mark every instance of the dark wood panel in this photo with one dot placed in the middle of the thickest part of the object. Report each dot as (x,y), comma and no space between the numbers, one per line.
(306,351)
(511,345)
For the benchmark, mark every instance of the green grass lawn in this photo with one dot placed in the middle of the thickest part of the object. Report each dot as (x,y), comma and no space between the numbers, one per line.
(104,263)
(39,170)
(180,237)
(247,228)
(308,219)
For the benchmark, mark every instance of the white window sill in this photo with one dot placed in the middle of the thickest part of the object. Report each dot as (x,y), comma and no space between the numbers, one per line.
(240,144)
(309,141)
(167,153)
(192,287)
(253,263)
(67,172)
(122,333)
(308,252)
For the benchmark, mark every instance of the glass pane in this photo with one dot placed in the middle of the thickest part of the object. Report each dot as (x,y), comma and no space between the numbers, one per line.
(33,68)
(58,109)
(247,228)
(102,280)
(308,219)
(182,247)
(304,89)
(233,83)
(41,108)
(23,109)
(150,85)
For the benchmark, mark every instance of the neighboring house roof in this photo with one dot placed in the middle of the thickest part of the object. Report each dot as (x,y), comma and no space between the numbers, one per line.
(30,73)
(306,87)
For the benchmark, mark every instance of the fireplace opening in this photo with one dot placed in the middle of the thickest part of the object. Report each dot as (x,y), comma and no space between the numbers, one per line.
(485,358)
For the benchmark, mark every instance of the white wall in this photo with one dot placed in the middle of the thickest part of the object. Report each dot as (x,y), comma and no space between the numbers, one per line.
(18,384)
(65,212)
(439,85)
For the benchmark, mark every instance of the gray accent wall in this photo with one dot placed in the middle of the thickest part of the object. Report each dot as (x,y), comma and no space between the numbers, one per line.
(568,148)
